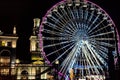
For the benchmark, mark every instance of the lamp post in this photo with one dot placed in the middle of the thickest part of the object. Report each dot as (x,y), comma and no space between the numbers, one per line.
(56,65)
(57,62)
(17,61)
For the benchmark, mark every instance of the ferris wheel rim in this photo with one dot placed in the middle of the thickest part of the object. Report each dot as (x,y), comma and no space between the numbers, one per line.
(43,52)
(62,1)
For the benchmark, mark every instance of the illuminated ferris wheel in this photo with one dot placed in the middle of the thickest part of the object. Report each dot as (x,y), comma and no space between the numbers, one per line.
(79,34)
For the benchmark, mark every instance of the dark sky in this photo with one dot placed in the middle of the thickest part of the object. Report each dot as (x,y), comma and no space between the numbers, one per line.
(22,12)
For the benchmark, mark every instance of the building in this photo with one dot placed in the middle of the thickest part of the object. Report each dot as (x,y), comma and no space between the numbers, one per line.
(11,68)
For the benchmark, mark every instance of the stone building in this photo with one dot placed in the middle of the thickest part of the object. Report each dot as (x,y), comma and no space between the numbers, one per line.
(11,68)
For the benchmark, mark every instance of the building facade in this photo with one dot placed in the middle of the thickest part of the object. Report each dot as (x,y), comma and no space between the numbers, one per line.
(11,68)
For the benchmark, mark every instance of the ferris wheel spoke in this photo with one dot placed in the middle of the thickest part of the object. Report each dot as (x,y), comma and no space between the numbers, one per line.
(73,54)
(102,28)
(85,27)
(77,14)
(56,33)
(70,60)
(66,62)
(95,26)
(100,58)
(59,23)
(101,48)
(92,63)
(80,13)
(71,26)
(64,18)
(94,56)
(71,21)
(56,44)
(105,44)
(68,32)
(103,54)
(63,53)
(85,51)
(57,28)
(60,17)
(97,43)
(69,13)
(52,18)
(101,34)
(53,26)
(81,59)
(71,17)
(59,49)
(94,21)
(91,16)
(104,48)
(78,25)
(75,24)
(86,14)
(66,13)
(70,64)
(100,41)
(56,38)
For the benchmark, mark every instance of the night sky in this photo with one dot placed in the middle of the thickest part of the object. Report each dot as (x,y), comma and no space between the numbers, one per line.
(21,13)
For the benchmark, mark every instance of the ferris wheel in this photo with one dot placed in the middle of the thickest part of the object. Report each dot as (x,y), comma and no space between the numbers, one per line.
(79,34)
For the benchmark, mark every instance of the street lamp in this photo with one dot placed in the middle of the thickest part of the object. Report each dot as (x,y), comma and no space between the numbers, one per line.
(56,65)
(57,62)
(17,61)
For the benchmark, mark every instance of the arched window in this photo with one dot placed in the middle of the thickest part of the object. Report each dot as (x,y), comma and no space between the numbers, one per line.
(5,56)
(24,75)
(5,62)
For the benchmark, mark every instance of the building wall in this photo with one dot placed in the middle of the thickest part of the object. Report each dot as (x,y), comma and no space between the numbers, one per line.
(32,70)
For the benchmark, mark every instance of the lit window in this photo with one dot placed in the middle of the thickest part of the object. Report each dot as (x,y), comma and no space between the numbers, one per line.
(4,71)
(14,44)
(3,43)
(33,46)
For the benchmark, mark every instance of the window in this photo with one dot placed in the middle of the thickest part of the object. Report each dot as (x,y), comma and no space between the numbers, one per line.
(3,43)
(33,45)
(5,61)
(4,71)
(9,44)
